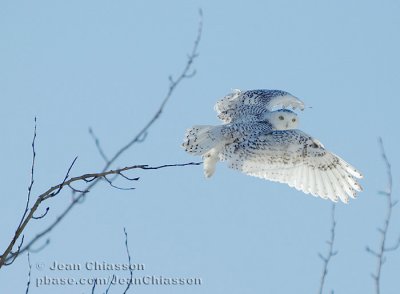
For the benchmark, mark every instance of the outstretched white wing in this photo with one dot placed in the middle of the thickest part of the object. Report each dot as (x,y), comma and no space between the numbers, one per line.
(295,158)
(247,105)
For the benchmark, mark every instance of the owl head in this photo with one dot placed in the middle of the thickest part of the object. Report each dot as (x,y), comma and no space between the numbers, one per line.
(282,119)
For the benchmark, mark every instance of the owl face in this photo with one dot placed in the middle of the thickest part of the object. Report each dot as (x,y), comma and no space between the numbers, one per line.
(283,119)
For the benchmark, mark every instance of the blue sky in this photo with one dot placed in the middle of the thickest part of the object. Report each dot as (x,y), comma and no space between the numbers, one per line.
(105,65)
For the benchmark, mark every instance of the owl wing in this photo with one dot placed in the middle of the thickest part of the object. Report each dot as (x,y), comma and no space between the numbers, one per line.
(297,159)
(246,105)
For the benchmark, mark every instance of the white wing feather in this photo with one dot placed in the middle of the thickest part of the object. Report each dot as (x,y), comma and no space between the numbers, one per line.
(295,158)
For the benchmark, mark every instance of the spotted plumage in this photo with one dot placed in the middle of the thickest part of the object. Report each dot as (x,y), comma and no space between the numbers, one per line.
(251,105)
(262,142)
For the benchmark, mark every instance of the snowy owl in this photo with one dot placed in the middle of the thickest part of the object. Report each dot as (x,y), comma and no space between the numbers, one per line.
(262,141)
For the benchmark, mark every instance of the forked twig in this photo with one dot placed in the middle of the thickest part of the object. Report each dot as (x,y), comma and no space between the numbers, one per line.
(9,255)
(129,261)
(93,179)
(383,247)
(331,253)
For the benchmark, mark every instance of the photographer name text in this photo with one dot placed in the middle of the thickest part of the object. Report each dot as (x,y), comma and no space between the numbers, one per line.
(96,266)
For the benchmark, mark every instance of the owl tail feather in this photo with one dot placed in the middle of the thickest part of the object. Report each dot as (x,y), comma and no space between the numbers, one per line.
(210,161)
(200,139)
(205,141)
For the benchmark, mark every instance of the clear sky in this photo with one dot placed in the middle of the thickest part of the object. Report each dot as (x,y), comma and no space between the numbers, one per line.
(105,65)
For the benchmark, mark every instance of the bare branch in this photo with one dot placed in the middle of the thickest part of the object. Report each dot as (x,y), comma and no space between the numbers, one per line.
(43,215)
(128,178)
(32,174)
(331,253)
(371,251)
(129,261)
(142,138)
(130,267)
(394,246)
(173,84)
(36,250)
(94,285)
(8,255)
(116,187)
(15,254)
(29,275)
(97,142)
(93,179)
(14,240)
(390,203)
(63,182)
(110,284)
(74,190)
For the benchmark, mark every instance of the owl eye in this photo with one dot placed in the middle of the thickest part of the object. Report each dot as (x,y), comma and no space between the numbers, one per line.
(281,117)
(293,119)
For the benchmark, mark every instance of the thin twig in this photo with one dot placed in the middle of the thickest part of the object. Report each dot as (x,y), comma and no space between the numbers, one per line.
(383,247)
(8,255)
(331,253)
(65,179)
(29,275)
(186,73)
(173,84)
(28,198)
(97,142)
(129,261)
(43,215)
(74,190)
(94,285)
(116,187)
(110,283)
(36,250)
(15,254)
(128,178)
(32,174)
